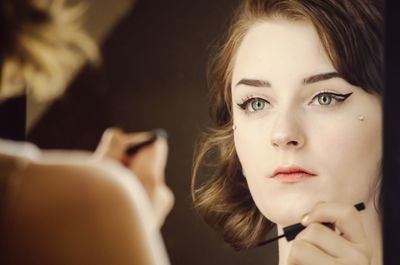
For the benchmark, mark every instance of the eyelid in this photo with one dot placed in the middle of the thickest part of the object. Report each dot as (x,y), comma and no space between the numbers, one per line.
(247,100)
(326,92)
(337,96)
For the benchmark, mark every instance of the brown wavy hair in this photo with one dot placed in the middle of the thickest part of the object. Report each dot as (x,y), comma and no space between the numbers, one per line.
(42,43)
(352,33)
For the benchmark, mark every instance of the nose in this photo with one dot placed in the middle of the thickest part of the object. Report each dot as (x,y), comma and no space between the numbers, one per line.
(287,132)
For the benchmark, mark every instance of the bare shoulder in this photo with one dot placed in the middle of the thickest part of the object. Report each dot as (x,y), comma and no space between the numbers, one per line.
(68,212)
(60,187)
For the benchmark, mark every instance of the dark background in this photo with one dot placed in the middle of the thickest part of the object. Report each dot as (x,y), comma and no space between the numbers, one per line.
(154,75)
(391,165)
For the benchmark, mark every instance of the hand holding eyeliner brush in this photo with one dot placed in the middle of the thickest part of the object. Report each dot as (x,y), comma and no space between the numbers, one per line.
(290,232)
(154,135)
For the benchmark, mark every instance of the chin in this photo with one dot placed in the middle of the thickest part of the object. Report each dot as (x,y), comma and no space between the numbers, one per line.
(287,213)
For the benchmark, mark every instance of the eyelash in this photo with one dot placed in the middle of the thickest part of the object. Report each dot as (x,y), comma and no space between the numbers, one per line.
(248,100)
(340,98)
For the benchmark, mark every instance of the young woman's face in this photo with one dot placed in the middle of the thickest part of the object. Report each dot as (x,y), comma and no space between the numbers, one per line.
(291,108)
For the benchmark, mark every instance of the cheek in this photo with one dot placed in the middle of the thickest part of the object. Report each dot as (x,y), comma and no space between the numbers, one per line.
(251,144)
(349,155)
(251,147)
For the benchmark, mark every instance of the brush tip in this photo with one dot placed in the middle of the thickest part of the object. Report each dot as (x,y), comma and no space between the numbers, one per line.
(160,133)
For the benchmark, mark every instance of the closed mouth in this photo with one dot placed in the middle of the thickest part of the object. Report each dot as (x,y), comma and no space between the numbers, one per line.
(291,174)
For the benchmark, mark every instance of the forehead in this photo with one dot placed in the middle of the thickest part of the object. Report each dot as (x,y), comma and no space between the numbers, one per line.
(279,48)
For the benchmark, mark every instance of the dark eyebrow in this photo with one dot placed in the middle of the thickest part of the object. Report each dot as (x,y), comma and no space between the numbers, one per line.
(254,82)
(321,77)
(308,80)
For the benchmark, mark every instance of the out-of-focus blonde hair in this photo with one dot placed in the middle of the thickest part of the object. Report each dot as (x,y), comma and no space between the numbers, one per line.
(42,44)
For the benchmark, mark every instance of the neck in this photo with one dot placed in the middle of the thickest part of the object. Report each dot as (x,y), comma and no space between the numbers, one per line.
(372,227)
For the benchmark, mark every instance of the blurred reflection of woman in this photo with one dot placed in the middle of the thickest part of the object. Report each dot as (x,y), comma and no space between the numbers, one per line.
(297,111)
(68,207)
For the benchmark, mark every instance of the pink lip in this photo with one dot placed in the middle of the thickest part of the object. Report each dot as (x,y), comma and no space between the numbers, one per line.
(291,174)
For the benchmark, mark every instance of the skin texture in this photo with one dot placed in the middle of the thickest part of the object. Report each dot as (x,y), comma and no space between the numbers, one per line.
(290,125)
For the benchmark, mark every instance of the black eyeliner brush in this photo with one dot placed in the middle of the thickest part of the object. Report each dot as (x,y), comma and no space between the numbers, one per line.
(290,232)
(133,149)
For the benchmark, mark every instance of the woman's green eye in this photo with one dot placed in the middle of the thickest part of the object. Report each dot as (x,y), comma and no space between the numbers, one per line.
(324,99)
(330,99)
(254,104)
(257,105)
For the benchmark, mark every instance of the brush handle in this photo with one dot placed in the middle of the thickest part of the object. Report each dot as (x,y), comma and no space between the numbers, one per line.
(154,135)
(292,231)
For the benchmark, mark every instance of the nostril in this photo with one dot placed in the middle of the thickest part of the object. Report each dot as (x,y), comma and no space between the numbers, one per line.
(285,142)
